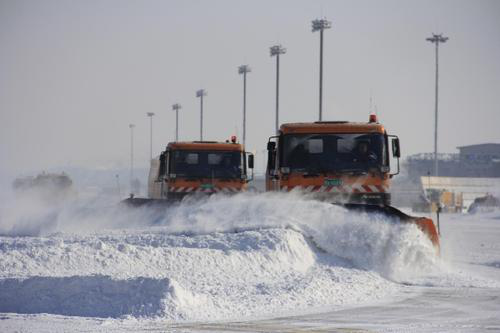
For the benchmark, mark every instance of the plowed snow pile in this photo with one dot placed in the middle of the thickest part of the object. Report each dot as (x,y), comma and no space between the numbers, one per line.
(247,255)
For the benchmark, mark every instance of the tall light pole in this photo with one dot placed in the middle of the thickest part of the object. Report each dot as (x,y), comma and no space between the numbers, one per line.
(244,69)
(436,39)
(320,25)
(150,115)
(276,50)
(131,126)
(200,93)
(176,107)
(118,186)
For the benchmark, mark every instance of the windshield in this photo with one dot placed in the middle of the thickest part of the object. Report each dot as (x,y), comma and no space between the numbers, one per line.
(204,164)
(334,152)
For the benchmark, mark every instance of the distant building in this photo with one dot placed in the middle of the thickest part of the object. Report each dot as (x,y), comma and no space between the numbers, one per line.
(468,188)
(480,161)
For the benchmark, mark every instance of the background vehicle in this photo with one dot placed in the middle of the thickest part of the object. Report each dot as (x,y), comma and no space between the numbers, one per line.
(486,204)
(48,187)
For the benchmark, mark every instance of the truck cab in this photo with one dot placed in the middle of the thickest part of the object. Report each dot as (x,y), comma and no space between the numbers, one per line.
(199,168)
(338,161)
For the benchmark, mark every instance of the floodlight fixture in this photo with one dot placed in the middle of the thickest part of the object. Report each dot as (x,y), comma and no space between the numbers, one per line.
(243,69)
(321,24)
(437,38)
(201,93)
(276,50)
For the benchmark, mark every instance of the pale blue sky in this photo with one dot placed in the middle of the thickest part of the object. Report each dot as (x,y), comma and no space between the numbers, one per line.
(74,74)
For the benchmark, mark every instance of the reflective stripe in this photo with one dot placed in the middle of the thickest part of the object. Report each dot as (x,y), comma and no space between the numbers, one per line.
(355,188)
(183,189)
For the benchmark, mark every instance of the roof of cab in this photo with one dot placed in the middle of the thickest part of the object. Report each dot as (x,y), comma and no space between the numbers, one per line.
(206,145)
(331,127)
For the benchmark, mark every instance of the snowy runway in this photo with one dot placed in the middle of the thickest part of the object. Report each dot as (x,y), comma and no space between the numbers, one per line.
(246,263)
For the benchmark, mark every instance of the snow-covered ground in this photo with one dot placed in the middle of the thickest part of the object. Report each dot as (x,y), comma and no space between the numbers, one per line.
(251,263)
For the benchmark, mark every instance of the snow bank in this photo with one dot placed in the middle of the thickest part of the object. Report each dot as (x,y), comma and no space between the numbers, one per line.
(94,296)
(214,276)
(225,257)
(370,242)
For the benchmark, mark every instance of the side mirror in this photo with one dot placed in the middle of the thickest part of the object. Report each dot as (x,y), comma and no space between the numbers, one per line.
(396,151)
(271,146)
(161,169)
(250,161)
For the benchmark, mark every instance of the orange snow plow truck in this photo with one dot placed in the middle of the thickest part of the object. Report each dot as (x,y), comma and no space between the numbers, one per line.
(342,162)
(197,168)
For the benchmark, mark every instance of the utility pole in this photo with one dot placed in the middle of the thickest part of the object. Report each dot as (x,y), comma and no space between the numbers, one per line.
(150,115)
(276,50)
(200,93)
(436,39)
(320,25)
(176,107)
(131,126)
(244,69)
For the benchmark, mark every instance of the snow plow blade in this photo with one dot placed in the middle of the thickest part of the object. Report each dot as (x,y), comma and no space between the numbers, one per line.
(423,223)
(146,202)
